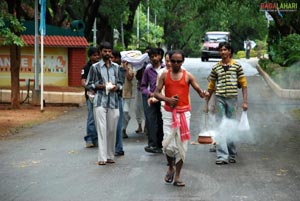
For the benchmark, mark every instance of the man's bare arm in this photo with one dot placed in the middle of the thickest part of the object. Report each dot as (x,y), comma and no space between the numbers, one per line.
(159,86)
(192,80)
(245,98)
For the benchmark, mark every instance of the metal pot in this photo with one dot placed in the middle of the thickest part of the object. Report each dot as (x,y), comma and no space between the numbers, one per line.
(204,139)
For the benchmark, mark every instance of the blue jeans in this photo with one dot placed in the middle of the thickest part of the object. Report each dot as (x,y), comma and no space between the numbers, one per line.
(91,132)
(225,148)
(119,138)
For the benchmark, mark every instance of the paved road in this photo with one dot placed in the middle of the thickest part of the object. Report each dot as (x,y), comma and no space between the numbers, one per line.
(49,162)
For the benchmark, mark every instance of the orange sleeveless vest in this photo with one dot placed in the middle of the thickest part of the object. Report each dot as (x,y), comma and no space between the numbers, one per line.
(179,88)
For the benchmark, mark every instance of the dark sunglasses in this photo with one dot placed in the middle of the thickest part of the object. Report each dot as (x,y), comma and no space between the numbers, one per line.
(176,61)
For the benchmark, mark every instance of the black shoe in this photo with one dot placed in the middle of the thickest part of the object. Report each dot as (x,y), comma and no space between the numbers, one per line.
(158,150)
(120,153)
(221,162)
(152,149)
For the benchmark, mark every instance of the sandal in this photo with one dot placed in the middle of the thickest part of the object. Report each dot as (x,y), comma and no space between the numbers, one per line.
(110,161)
(221,162)
(169,177)
(179,183)
(101,163)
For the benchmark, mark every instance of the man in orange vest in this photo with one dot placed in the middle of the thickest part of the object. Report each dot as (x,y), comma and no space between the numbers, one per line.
(176,113)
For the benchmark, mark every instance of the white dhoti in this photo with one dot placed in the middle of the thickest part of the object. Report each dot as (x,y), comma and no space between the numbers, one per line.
(172,144)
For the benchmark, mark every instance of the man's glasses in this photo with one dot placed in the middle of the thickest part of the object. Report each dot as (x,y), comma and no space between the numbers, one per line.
(176,61)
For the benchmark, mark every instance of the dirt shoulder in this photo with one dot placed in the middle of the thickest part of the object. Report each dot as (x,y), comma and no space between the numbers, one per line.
(12,121)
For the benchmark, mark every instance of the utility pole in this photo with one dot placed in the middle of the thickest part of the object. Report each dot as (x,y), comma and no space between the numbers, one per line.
(122,35)
(36,46)
(36,93)
(148,21)
(95,33)
(154,37)
(138,28)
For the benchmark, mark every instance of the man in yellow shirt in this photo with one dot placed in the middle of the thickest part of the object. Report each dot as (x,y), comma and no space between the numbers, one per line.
(225,79)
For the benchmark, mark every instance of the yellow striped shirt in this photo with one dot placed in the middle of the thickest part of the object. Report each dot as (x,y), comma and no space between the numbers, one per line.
(225,83)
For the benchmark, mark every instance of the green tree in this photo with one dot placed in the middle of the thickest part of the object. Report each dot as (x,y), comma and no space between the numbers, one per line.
(287,22)
(243,20)
(186,21)
(10,30)
(153,38)
(181,23)
(108,15)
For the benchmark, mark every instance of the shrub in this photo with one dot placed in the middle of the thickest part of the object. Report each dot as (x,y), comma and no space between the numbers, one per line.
(287,51)
(242,54)
(263,63)
(273,69)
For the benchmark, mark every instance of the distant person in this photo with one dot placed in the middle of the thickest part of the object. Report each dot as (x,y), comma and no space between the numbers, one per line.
(141,106)
(127,95)
(116,57)
(176,118)
(168,66)
(248,48)
(155,131)
(91,139)
(104,79)
(226,94)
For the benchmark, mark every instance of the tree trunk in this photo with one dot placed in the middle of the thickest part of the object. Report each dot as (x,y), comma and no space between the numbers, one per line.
(15,55)
(129,26)
(58,15)
(284,28)
(106,31)
(14,8)
(89,17)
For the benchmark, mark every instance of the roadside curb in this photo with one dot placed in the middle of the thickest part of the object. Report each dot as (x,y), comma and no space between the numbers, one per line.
(50,97)
(284,93)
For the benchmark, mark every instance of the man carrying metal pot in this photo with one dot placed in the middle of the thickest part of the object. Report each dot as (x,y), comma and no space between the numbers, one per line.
(225,78)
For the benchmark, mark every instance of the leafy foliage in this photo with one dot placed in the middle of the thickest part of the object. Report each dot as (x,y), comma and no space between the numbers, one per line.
(242,54)
(263,63)
(241,18)
(153,38)
(117,11)
(9,25)
(186,21)
(287,51)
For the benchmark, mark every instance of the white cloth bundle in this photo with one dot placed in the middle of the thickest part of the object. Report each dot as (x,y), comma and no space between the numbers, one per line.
(135,58)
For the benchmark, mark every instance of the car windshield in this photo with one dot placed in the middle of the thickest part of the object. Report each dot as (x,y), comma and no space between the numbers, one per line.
(216,38)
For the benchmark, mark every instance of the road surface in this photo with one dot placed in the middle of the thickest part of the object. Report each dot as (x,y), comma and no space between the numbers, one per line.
(50,163)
